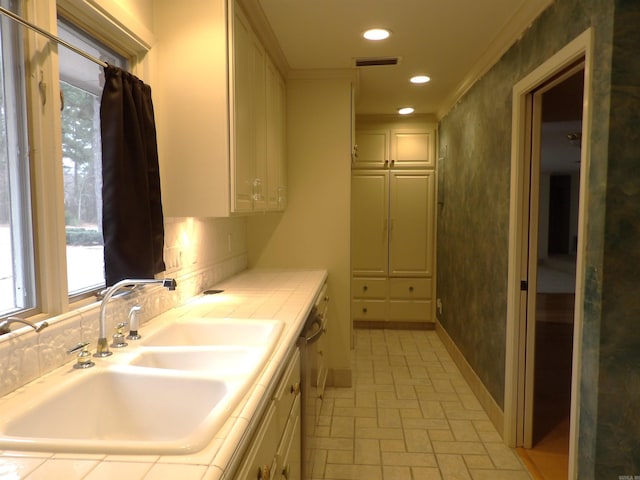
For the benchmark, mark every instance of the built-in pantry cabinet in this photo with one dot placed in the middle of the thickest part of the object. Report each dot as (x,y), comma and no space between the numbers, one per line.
(220,112)
(393,208)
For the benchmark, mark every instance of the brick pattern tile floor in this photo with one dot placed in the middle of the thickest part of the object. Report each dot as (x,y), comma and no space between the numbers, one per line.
(409,415)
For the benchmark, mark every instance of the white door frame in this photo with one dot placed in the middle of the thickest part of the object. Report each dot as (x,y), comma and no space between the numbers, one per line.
(580,47)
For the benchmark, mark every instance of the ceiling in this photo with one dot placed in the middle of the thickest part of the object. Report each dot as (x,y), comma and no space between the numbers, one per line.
(452,41)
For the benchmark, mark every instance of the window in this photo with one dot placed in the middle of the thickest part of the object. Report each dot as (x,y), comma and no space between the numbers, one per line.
(17,272)
(50,157)
(81,84)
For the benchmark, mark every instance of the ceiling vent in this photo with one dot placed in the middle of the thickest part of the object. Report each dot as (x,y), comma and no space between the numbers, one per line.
(375,62)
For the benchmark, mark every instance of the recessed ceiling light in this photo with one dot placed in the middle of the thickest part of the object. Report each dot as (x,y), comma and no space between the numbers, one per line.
(420,79)
(376,34)
(405,110)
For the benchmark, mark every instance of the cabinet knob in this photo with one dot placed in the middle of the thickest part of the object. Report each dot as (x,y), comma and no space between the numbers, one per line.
(364,310)
(295,388)
(264,472)
(411,288)
(365,288)
(256,189)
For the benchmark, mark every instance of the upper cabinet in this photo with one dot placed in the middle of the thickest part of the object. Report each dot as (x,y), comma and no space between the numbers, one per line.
(394,147)
(220,112)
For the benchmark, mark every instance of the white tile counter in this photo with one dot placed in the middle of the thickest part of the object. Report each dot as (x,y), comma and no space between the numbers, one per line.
(285,295)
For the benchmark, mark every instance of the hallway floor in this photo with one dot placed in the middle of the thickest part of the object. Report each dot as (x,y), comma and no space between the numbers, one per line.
(549,458)
(409,415)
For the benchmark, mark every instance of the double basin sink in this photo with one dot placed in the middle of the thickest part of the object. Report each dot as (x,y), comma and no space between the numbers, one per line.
(168,394)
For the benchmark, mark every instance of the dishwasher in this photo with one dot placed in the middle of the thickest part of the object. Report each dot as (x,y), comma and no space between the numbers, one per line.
(314,377)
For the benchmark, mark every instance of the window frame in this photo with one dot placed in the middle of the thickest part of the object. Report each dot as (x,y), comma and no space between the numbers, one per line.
(18,165)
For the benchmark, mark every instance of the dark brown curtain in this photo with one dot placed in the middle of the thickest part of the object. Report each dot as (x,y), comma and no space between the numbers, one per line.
(132,220)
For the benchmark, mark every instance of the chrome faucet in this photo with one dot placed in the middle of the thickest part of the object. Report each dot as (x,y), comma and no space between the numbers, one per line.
(103,346)
(4,325)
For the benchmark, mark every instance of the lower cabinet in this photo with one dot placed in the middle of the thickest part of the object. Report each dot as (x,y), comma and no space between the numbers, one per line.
(274,451)
(377,299)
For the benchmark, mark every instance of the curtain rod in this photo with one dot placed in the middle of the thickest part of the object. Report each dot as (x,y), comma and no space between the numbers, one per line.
(50,36)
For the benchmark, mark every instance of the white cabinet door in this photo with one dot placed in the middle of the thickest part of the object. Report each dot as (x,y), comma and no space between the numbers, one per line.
(260,125)
(411,223)
(371,149)
(411,149)
(276,139)
(369,218)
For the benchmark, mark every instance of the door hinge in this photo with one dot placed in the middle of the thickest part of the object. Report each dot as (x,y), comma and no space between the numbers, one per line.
(524,285)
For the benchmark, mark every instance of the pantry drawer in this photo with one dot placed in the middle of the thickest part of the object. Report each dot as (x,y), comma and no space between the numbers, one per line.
(369,287)
(410,311)
(410,288)
(368,309)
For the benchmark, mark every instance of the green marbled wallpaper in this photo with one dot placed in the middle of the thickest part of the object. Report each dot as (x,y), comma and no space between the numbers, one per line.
(617,434)
(473,225)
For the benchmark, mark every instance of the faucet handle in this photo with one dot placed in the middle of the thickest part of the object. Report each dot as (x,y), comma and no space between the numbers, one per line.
(84,357)
(118,337)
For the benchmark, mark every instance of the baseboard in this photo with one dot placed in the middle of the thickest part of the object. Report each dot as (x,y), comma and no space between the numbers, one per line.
(394,325)
(493,410)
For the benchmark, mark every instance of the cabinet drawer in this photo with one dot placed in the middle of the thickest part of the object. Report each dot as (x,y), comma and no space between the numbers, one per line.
(417,310)
(369,287)
(368,309)
(288,390)
(410,288)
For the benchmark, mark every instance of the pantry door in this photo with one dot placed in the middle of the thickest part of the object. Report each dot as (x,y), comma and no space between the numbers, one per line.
(369,222)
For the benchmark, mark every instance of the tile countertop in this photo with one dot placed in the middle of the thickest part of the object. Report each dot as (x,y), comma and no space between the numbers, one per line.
(285,295)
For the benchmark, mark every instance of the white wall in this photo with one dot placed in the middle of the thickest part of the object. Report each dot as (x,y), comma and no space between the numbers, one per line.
(314,230)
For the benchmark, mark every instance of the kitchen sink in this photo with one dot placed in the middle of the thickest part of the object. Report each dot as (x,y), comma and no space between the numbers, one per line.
(212,360)
(120,411)
(216,331)
(169,393)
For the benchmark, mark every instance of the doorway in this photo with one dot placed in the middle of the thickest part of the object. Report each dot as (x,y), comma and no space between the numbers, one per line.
(546,259)
(551,248)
